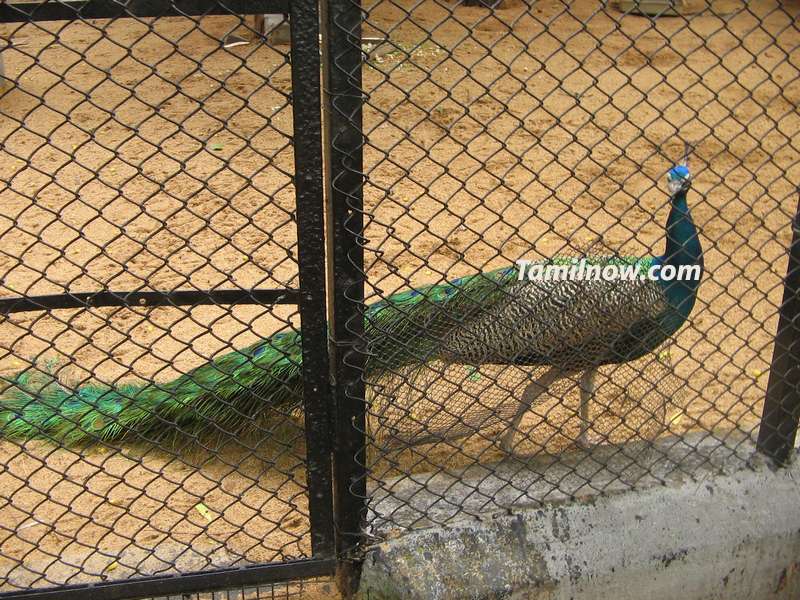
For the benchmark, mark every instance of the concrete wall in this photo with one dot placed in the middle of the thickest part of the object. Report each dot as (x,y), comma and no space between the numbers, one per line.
(713,536)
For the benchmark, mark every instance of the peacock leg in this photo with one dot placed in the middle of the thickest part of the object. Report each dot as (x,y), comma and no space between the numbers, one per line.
(587,391)
(532,392)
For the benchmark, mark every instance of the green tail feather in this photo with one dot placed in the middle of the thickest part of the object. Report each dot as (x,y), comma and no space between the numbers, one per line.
(230,391)
(226,391)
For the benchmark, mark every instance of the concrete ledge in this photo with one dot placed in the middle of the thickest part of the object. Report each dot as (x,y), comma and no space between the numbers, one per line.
(729,536)
(451,496)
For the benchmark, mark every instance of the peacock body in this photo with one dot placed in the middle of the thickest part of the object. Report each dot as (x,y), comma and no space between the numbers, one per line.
(565,323)
(568,326)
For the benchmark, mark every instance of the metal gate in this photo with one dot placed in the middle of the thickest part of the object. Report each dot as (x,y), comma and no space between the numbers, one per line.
(311,496)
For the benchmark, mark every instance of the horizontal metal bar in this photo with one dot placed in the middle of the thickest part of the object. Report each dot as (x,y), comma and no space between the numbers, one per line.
(148,299)
(68,10)
(184,584)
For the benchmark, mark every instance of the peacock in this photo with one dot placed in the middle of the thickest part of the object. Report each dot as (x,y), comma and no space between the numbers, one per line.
(563,327)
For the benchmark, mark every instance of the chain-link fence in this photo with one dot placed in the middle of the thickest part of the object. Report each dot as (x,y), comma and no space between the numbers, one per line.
(544,132)
(163,245)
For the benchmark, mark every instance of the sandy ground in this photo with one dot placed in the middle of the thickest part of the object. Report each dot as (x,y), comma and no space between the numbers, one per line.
(522,132)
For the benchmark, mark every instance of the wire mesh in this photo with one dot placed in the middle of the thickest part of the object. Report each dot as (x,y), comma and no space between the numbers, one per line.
(144,155)
(507,131)
(148,155)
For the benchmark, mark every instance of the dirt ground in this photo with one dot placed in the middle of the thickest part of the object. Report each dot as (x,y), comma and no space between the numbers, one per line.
(525,131)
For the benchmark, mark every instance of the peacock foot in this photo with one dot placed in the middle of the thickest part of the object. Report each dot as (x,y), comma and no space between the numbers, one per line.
(583,442)
(529,398)
(507,442)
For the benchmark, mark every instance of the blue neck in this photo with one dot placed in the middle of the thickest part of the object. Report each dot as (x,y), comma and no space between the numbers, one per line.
(682,249)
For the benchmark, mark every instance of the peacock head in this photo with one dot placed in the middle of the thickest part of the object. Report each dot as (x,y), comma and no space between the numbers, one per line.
(678,179)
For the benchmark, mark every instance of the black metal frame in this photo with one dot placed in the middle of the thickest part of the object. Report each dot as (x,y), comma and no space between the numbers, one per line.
(311,256)
(311,297)
(343,143)
(187,583)
(148,299)
(109,9)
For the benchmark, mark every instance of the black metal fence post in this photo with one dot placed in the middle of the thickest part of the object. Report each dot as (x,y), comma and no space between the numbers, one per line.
(342,62)
(779,421)
(311,259)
